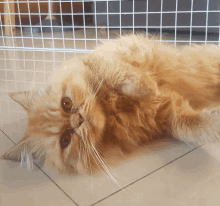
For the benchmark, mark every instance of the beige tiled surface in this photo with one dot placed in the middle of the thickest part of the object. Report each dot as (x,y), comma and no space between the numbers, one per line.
(170,173)
(193,180)
(150,179)
(88,190)
(18,186)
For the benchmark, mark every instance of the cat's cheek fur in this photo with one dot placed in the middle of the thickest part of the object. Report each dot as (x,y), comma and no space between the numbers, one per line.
(98,120)
(52,158)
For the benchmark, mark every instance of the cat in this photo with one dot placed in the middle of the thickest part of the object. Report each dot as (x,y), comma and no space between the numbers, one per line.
(106,105)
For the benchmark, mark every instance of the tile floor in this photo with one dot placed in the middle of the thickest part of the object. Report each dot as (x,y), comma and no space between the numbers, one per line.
(169,174)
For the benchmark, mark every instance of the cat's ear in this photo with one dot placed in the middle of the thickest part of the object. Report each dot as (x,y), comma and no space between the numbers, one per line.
(24,151)
(14,154)
(25,98)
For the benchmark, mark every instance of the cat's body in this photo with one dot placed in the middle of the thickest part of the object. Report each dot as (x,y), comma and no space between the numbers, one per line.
(112,101)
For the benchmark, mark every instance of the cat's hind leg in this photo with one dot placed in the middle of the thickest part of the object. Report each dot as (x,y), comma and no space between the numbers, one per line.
(191,125)
(195,76)
(202,128)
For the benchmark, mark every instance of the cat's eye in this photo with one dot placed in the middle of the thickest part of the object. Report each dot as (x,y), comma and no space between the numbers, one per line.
(66,138)
(66,104)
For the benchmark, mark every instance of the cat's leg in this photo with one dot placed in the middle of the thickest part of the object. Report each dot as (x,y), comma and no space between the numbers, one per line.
(122,78)
(193,73)
(187,124)
(132,83)
(202,128)
(195,76)
(141,87)
(201,89)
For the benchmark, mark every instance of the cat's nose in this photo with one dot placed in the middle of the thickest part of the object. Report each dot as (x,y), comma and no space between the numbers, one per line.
(76,120)
(81,119)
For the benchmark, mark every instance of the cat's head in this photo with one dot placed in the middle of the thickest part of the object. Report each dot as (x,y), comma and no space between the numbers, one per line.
(65,122)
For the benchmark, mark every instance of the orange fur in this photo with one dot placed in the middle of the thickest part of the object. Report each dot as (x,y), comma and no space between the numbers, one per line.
(129,92)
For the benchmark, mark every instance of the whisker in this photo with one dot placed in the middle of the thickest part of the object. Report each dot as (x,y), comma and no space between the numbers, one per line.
(89,147)
(100,148)
(105,167)
(97,158)
(101,94)
(97,89)
(99,86)
(88,101)
(88,144)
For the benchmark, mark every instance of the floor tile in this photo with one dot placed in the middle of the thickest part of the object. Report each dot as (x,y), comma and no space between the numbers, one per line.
(193,180)
(19,186)
(98,187)
(88,190)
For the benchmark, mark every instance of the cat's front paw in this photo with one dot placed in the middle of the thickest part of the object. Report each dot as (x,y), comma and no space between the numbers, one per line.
(138,90)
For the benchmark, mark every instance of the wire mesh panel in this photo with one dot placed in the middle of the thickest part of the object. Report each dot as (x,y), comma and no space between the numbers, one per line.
(36,36)
(65,25)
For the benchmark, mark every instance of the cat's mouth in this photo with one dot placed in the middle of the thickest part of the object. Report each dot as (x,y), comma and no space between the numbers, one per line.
(80,123)
(83,125)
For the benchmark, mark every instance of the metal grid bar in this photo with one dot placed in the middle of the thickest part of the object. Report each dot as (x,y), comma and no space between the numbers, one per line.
(191,19)
(120,16)
(73,25)
(101,13)
(176,20)
(75,1)
(206,31)
(2,33)
(161,19)
(147,18)
(10,21)
(96,27)
(84,25)
(107,28)
(20,24)
(133,17)
(217,26)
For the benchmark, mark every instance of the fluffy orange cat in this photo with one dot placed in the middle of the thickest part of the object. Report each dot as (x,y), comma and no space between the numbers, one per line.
(116,99)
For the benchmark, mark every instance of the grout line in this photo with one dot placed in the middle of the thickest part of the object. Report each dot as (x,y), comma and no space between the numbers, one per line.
(45,174)
(145,176)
